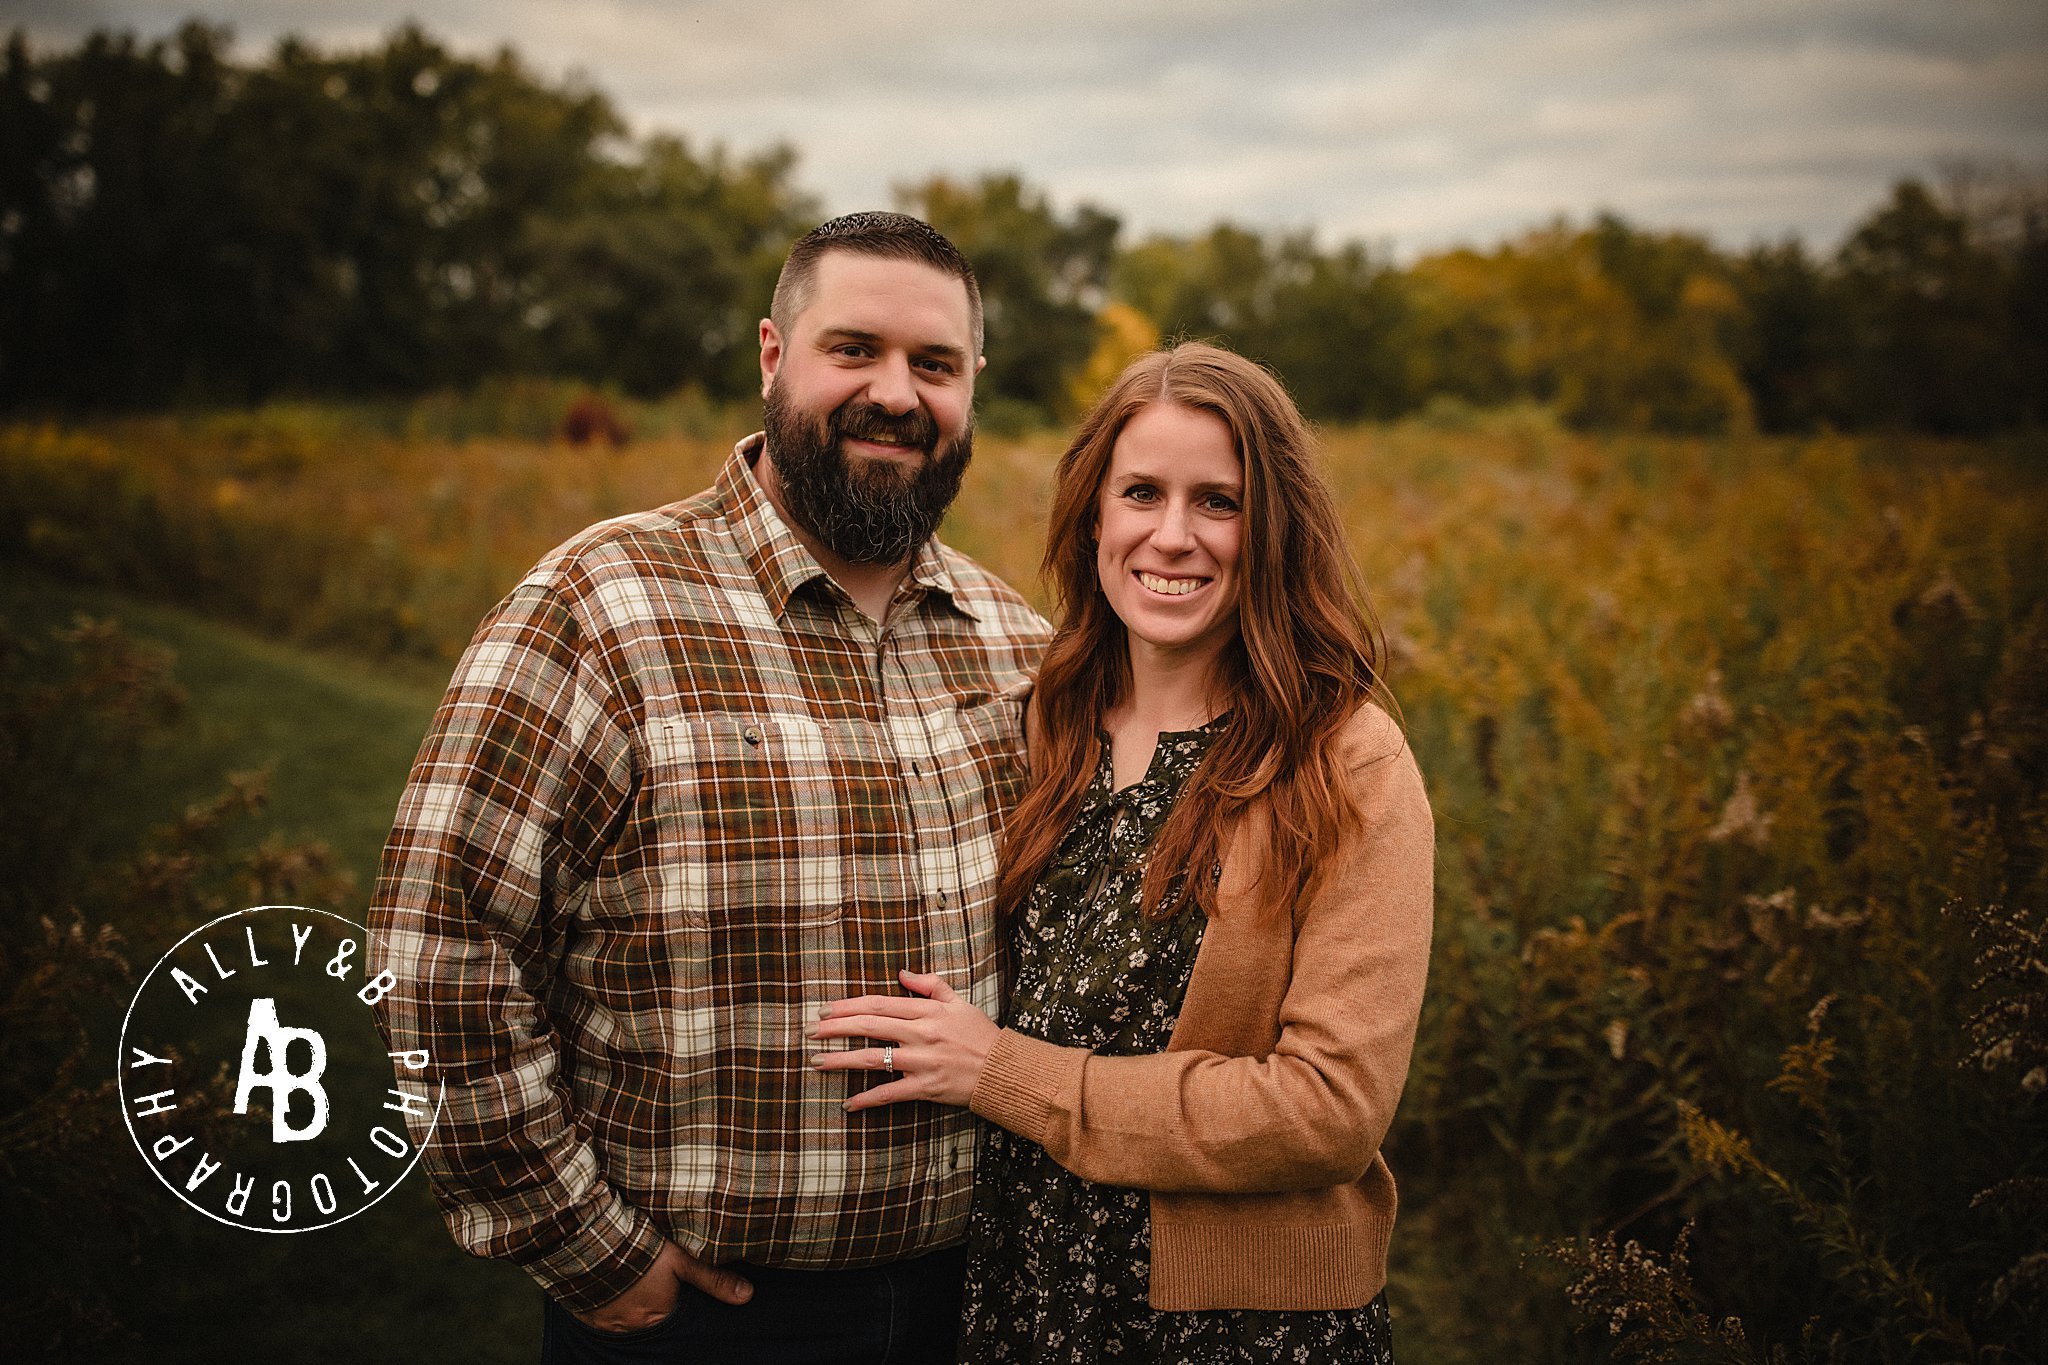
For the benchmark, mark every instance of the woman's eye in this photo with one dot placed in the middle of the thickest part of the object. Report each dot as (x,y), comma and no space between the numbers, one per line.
(1216,502)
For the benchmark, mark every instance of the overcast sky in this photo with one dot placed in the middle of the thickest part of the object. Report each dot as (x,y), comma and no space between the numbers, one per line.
(1415,123)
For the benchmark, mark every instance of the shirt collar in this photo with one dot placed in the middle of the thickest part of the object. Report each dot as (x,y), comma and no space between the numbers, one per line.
(779,561)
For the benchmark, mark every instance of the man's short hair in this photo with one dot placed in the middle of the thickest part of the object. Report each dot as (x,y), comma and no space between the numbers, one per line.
(896,236)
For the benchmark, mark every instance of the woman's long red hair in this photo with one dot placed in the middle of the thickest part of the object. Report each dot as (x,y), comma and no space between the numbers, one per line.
(1306,655)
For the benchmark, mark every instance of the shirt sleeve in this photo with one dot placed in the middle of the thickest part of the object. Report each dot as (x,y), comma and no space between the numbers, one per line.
(524,775)
(1314,1110)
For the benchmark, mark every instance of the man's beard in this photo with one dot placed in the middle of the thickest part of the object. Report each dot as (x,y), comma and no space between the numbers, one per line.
(868,513)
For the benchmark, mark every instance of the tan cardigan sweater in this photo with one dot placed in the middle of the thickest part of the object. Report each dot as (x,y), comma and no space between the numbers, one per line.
(1258,1130)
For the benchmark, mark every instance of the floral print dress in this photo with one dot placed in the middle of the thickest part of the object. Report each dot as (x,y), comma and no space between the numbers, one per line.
(1058,1266)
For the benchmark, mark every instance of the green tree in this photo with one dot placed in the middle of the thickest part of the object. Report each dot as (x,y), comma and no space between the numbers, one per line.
(1216,286)
(110,198)
(176,227)
(1462,331)
(657,281)
(1927,312)
(1337,325)
(1788,355)
(1614,327)
(1042,277)
(2028,319)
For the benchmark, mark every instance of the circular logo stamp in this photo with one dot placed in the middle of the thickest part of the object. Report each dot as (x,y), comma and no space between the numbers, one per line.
(255,1082)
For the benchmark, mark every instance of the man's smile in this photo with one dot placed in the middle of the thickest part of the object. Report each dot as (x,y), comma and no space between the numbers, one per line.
(890,444)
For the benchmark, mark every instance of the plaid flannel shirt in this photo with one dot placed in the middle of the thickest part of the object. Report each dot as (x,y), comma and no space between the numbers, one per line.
(680,794)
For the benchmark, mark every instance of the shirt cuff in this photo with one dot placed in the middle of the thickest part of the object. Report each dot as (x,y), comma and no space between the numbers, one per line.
(604,1259)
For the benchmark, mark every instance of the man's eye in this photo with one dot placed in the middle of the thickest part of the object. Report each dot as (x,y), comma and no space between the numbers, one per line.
(939,367)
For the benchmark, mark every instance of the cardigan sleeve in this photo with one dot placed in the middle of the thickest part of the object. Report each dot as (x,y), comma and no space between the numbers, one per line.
(1313,1110)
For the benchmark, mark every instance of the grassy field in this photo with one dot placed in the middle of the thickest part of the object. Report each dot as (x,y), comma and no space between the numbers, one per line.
(334,737)
(1737,748)
(332,734)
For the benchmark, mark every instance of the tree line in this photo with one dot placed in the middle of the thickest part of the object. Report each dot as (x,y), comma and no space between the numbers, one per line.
(178,227)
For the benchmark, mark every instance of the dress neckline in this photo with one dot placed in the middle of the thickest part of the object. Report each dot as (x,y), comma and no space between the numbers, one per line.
(1166,749)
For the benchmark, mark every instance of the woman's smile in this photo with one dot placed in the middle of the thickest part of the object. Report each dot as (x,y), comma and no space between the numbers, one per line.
(1172,587)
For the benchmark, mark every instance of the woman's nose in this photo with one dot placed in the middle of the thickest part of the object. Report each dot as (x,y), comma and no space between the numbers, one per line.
(1173,533)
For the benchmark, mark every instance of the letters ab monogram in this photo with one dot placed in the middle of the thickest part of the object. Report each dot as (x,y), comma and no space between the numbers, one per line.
(266,1034)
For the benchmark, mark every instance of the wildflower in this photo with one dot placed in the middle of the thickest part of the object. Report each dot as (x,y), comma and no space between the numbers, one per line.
(1742,818)
(1769,916)
(1946,595)
(1709,709)
(1819,1011)
(1821,919)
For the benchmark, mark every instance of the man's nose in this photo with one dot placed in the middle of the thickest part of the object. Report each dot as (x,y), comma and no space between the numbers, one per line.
(890,386)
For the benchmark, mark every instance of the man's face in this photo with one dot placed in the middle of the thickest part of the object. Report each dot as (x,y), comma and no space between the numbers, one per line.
(870,404)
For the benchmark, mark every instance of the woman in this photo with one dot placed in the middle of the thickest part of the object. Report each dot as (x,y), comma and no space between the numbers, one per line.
(1216,898)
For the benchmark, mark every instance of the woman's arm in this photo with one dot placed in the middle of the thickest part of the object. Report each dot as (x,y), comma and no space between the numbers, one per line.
(1311,1112)
(1314,1110)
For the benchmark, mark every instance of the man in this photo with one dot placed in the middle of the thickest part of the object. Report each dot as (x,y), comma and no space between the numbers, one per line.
(705,770)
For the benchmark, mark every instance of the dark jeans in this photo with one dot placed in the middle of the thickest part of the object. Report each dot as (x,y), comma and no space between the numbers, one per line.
(907,1313)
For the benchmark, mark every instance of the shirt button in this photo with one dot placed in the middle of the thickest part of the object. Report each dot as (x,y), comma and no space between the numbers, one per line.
(752,734)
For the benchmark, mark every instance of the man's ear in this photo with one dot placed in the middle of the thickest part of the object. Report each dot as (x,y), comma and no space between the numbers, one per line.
(980,364)
(771,354)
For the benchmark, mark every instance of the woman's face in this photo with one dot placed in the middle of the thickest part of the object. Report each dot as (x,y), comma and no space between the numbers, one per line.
(1169,526)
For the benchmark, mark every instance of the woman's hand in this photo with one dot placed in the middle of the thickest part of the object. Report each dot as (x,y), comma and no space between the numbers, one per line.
(936,1042)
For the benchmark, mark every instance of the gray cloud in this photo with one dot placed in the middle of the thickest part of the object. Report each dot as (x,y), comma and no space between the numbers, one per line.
(1413,123)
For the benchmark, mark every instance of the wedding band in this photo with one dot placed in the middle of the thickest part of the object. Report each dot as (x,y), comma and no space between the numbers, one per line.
(888,1059)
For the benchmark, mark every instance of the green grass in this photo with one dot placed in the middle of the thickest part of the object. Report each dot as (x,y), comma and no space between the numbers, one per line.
(335,735)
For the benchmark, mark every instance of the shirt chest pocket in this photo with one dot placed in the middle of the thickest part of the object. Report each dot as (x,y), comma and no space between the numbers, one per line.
(990,736)
(748,820)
